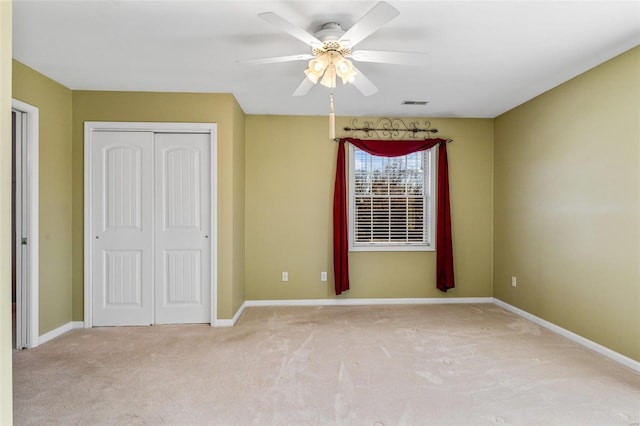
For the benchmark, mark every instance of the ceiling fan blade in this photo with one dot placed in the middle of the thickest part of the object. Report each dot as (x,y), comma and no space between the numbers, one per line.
(290,28)
(379,15)
(304,87)
(384,57)
(364,84)
(276,59)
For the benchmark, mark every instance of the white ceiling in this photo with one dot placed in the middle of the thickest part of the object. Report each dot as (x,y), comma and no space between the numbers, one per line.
(485,57)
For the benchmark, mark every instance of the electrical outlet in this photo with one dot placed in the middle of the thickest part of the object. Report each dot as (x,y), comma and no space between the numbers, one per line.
(285,276)
(323,276)
(514,282)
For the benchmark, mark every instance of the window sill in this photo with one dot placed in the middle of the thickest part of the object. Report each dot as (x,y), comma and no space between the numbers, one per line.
(391,248)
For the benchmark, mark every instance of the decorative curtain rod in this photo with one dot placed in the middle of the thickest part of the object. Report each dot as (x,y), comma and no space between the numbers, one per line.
(390,128)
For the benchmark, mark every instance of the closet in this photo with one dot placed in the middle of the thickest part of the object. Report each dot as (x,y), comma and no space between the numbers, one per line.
(150,227)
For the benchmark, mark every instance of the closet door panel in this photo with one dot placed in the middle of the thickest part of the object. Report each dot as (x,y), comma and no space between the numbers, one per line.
(183,228)
(122,231)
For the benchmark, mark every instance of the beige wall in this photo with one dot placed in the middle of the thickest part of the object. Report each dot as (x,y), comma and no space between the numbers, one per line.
(567,205)
(6,402)
(168,107)
(54,103)
(290,171)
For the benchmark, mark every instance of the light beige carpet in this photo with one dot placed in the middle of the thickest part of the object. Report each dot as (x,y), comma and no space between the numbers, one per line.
(365,365)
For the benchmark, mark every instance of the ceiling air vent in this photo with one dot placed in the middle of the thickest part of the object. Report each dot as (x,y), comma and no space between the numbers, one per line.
(415,102)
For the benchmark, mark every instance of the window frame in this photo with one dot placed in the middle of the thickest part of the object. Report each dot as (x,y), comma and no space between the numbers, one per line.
(429,190)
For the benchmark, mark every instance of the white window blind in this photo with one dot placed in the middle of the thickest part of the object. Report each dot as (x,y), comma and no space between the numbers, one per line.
(391,204)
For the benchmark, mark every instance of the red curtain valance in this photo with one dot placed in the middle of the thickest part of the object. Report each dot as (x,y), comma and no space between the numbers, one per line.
(387,148)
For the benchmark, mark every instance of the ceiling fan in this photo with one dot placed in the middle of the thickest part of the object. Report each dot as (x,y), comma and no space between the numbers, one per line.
(331,50)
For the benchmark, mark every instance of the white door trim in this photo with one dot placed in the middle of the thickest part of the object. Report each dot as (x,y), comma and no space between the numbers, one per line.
(92,126)
(32,218)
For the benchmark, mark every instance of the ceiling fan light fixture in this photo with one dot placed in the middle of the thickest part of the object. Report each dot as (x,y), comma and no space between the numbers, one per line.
(342,65)
(316,68)
(348,78)
(329,78)
(319,64)
(344,69)
(312,76)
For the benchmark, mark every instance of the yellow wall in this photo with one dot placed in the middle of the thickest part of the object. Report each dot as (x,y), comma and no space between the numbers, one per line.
(168,107)
(567,205)
(54,103)
(238,215)
(290,171)
(6,402)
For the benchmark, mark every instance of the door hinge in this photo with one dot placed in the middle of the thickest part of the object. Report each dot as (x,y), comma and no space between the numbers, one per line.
(24,241)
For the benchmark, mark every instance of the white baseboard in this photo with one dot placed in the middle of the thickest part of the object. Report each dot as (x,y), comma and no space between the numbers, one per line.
(359,302)
(56,332)
(230,322)
(602,350)
(348,302)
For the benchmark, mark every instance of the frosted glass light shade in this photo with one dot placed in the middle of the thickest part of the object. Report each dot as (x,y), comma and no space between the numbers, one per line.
(344,69)
(329,78)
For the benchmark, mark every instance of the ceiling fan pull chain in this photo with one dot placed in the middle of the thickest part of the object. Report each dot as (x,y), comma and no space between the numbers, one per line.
(332,118)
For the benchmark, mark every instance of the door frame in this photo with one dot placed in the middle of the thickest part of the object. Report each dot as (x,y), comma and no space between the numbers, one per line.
(93,126)
(27,287)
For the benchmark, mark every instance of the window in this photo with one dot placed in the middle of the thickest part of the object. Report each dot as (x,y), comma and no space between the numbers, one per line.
(391,201)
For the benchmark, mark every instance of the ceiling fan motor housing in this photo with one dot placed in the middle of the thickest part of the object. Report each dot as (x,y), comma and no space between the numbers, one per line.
(329,35)
(330,31)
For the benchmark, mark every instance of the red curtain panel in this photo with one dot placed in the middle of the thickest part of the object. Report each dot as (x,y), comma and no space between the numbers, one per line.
(340,241)
(444,244)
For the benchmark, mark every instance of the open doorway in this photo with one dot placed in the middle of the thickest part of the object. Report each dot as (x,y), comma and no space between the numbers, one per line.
(24,224)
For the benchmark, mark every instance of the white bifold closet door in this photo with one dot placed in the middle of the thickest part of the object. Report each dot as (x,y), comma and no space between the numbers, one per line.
(151,228)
